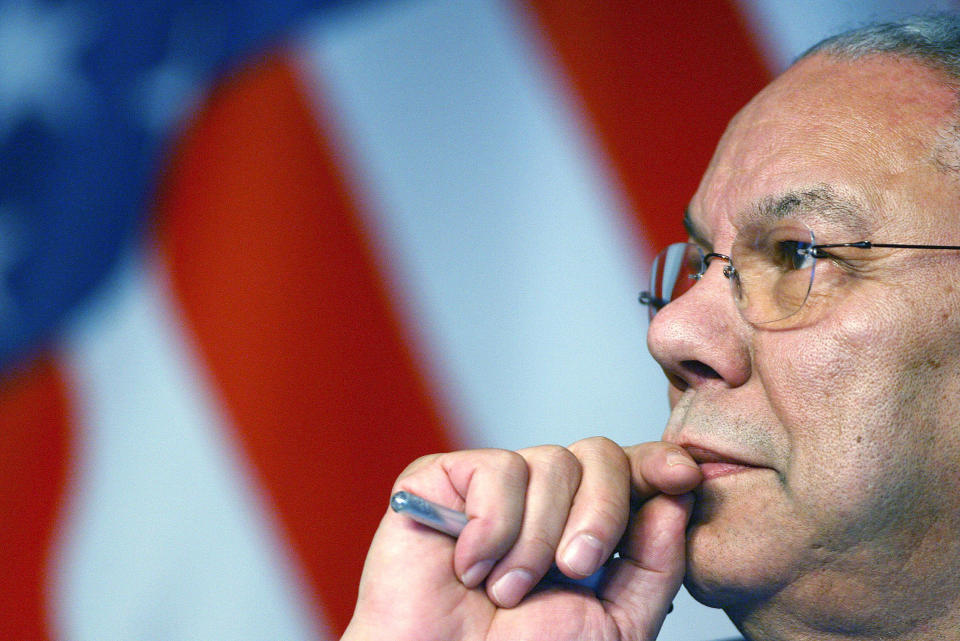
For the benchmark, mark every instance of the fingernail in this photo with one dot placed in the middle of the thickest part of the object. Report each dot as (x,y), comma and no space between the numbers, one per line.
(676,458)
(511,587)
(584,554)
(477,573)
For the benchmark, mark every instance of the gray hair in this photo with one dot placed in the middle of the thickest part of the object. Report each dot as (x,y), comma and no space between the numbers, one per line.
(932,40)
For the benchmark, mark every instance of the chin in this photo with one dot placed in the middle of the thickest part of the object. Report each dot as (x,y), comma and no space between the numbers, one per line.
(714,578)
(733,562)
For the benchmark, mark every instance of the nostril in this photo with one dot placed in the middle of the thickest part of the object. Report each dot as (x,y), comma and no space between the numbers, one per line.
(698,370)
(677,382)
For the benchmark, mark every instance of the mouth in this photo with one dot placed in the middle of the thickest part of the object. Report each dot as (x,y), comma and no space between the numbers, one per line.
(715,465)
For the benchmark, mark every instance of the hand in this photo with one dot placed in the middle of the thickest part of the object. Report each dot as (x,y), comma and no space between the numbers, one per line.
(529,510)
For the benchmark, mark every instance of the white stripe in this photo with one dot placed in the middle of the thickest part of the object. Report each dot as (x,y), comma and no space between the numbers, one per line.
(166,538)
(506,242)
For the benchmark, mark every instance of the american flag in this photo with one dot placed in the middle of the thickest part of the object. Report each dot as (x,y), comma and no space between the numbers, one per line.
(257,256)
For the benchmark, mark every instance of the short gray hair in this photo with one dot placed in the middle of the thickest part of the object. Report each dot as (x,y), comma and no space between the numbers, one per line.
(933,40)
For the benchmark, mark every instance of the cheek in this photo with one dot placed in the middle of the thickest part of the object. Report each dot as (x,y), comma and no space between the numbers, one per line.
(841,390)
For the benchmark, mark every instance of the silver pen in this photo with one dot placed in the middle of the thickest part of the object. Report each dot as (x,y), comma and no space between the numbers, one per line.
(452,522)
(440,518)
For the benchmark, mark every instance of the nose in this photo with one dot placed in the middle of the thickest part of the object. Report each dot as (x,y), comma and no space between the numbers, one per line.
(700,338)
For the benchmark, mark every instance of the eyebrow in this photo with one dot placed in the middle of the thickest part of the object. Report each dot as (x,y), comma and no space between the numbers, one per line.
(821,202)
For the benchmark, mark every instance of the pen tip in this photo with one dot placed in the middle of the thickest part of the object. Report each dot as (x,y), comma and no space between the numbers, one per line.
(399,501)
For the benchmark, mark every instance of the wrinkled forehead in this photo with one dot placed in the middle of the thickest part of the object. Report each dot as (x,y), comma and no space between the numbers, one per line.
(855,137)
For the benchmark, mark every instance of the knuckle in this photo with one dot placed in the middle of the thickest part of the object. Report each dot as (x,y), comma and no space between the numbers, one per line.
(511,466)
(558,466)
(553,456)
(415,466)
(596,443)
(600,448)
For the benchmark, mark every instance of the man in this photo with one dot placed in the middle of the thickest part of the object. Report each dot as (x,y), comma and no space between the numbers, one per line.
(807,481)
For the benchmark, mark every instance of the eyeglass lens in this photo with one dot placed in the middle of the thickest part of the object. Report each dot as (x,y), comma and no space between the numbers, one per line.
(771,276)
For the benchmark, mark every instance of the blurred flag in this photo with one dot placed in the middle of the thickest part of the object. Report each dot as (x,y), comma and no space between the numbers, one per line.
(256,257)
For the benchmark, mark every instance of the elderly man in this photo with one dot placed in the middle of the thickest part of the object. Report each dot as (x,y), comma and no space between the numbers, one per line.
(808,478)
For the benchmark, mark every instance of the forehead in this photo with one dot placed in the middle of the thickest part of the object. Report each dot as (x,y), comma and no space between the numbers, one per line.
(868,133)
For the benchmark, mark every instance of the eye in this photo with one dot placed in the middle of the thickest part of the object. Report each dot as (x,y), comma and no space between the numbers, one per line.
(793,254)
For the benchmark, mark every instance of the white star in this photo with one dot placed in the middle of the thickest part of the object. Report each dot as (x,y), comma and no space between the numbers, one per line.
(169,92)
(40,48)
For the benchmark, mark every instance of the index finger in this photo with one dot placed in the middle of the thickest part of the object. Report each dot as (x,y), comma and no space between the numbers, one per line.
(659,467)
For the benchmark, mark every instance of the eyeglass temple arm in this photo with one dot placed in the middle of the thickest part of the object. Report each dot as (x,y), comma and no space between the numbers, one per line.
(866,244)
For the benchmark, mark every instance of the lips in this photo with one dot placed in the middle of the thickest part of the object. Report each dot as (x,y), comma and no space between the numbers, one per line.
(714,465)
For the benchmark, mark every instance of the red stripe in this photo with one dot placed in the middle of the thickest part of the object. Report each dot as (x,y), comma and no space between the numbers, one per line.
(658,81)
(279,285)
(34,461)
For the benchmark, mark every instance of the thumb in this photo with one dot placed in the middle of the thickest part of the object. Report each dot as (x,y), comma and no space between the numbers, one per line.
(641,583)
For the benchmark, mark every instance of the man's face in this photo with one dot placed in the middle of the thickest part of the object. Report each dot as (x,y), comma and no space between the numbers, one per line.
(848,423)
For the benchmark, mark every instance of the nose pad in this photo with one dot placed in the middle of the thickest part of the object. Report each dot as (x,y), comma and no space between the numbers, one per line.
(735,283)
